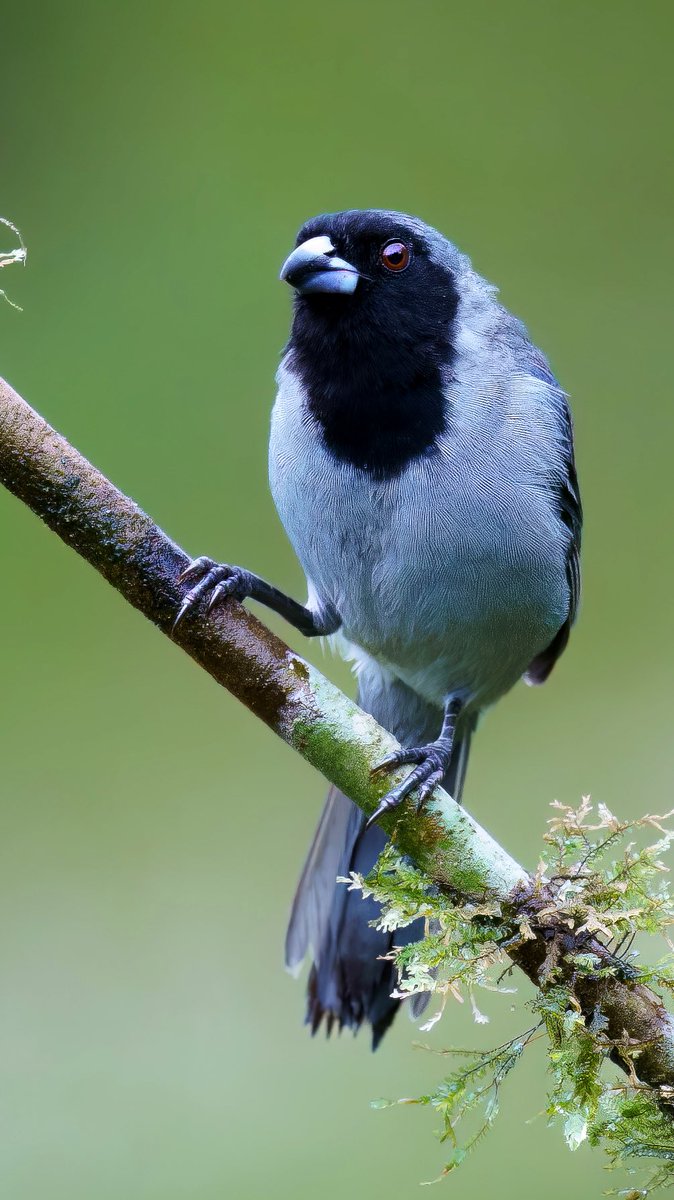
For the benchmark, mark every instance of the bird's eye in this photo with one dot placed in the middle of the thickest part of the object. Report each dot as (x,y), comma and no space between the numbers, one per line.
(395,256)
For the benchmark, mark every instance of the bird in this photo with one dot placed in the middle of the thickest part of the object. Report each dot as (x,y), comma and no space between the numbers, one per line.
(421,459)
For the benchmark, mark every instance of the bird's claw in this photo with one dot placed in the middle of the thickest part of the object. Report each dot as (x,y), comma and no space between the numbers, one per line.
(218,579)
(401,758)
(431,762)
(196,567)
(226,587)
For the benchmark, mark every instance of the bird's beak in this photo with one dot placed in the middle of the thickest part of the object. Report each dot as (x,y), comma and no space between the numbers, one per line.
(313,267)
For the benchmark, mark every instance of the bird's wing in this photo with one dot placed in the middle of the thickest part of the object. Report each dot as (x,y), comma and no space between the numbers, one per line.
(567,497)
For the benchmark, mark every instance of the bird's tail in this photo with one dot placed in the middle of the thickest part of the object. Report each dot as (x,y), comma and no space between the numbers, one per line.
(351,980)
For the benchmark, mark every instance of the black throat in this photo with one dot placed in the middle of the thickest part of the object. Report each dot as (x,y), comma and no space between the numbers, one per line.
(377,394)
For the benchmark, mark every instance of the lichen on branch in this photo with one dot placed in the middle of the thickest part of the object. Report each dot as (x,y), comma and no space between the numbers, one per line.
(597,874)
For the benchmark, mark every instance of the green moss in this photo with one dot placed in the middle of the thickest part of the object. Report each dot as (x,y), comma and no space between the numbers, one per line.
(593,882)
(344,743)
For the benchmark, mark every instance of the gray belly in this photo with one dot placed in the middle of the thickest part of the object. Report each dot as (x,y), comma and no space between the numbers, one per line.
(448,580)
(457,624)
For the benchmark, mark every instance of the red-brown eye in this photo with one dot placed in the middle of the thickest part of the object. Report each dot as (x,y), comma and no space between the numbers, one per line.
(395,256)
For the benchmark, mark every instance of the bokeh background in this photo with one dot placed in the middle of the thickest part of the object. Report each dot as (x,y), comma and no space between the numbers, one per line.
(158,158)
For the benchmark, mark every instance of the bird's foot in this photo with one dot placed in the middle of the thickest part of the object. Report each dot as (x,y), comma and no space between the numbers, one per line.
(430,765)
(215,580)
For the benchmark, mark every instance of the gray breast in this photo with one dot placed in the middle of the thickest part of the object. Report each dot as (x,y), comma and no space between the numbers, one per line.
(451,573)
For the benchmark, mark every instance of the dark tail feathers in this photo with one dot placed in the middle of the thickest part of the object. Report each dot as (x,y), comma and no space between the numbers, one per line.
(350,981)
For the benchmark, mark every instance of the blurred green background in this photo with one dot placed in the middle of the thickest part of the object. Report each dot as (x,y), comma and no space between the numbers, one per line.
(159,158)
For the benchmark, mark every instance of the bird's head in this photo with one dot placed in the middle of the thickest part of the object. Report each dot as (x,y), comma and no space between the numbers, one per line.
(376,298)
(382,271)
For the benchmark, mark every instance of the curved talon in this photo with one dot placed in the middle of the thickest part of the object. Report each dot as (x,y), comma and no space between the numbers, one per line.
(192,597)
(226,587)
(431,763)
(219,579)
(428,787)
(379,811)
(195,568)
(180,614)
(395,797)
(401,758)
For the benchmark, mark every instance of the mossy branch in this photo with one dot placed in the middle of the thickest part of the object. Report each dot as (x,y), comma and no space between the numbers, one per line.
(108,529)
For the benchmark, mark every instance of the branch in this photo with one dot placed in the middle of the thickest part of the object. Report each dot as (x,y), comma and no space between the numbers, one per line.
(307,711)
